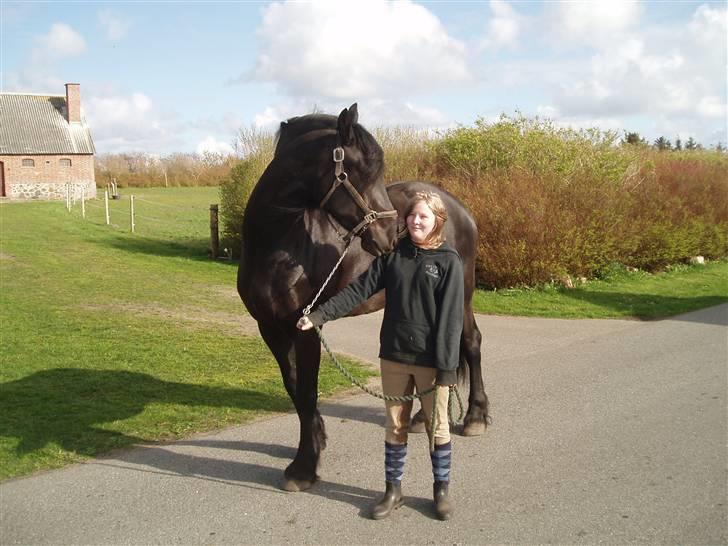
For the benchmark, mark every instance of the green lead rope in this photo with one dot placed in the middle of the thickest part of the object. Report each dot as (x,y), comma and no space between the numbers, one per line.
(407,398)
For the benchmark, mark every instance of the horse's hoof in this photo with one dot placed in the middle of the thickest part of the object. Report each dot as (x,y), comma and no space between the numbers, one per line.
(294,486)
(475,428)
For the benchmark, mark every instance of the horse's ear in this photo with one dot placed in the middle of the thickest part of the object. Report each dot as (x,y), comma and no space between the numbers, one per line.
(347,119)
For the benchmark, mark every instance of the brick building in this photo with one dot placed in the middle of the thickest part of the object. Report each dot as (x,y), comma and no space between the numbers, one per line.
(45,145)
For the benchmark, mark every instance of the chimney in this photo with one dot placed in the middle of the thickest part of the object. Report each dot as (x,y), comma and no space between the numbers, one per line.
(73,102)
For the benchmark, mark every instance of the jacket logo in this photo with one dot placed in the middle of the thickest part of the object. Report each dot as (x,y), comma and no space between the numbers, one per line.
(432,270)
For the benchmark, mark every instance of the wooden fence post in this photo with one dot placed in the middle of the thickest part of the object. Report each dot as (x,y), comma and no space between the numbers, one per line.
(214,232)
(131,212)
(106,205)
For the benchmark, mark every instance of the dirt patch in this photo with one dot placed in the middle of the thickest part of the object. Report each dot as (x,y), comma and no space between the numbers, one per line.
(8,257)
(193,318)
(228,293)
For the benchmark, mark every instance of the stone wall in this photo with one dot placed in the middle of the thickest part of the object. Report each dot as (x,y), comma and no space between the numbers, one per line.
(50,191)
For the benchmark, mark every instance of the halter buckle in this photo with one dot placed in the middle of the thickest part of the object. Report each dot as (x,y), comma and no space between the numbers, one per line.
(338,154)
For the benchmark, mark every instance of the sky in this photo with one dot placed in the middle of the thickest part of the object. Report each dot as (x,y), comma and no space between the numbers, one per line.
(166,77)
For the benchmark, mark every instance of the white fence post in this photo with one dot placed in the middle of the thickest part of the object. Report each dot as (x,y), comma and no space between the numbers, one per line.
(68,197)
(106,205)
(131,211)
(83,202)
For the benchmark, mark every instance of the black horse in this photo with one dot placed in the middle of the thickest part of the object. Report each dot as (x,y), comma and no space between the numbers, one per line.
(325,185)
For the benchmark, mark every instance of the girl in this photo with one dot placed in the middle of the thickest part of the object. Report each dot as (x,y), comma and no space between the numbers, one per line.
(419,339)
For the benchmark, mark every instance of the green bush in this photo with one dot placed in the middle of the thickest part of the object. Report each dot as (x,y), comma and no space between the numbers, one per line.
(532,145)
(549,202)
(407,152)
(258,148)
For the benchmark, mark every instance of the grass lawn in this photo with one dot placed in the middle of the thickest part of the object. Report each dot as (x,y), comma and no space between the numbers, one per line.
(622,294)
(109,338)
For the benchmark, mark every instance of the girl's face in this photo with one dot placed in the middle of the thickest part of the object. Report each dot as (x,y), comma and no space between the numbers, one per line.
(420,222)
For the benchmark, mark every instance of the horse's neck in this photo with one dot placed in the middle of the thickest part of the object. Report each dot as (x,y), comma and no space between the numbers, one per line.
(278,210)
(285,188)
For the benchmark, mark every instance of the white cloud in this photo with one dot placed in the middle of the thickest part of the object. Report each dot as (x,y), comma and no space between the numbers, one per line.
(372,113)
(709,25)
(38,71)
(32,80)
(592,22)
(213,146)
(61,41)
(674,73)
(130,123)
(114,26)
(270,118)
(394,112)
(712,107)
(504,26)
(357,49)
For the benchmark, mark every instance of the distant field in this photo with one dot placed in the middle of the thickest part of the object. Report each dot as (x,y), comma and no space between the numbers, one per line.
(110,338)
(170,214)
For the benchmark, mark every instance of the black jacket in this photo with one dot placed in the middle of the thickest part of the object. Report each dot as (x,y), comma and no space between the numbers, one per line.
(423,314)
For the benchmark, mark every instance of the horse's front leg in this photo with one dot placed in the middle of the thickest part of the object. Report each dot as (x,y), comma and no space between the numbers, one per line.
(280,343)
(477,417)
(301,473)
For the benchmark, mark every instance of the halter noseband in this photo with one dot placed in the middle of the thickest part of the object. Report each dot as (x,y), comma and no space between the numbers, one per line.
(341,178)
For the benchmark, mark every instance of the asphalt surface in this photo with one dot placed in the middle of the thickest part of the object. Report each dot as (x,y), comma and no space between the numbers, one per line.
(605,431)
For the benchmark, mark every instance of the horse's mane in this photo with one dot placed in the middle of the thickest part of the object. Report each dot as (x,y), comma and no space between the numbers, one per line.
(298,126)
(293,128)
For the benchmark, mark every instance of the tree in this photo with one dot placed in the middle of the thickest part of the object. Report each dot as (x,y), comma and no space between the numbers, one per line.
(633,138)
(678,144)
(662,144)
(691,144)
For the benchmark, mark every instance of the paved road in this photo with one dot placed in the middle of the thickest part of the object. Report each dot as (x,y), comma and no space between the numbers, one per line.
(604,432)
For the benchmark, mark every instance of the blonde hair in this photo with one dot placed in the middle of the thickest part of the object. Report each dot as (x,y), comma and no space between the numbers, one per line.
(436,237)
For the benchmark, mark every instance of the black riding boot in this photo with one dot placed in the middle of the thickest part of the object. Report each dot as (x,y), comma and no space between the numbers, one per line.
(443,507)
(391,500)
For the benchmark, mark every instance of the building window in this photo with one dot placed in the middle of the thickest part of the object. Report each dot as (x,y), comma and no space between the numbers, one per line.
(28,163)
(65,162)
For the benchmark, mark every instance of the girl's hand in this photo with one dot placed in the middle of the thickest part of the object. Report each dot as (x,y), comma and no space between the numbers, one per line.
(304,323)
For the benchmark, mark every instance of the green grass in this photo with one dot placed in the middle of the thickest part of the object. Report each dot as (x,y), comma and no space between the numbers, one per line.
(621,294)
(110,338)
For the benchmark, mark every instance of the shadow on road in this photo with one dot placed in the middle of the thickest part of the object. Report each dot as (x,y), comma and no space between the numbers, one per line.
(167,461)
(643,306)
(348,413)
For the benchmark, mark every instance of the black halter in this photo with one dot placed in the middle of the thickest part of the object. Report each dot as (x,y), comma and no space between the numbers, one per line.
(341,178)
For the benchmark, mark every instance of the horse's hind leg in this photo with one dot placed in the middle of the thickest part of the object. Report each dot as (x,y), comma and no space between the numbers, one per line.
(301,473)
(476,418)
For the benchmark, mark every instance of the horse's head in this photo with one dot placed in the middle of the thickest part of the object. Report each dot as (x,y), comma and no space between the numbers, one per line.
(346,180)
(357,197)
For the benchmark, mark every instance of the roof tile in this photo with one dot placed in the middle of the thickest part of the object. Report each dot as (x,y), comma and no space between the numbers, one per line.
(36,124)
